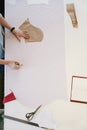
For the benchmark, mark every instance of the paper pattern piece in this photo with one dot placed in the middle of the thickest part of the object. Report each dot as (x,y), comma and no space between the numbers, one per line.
(36,34)
(79,89)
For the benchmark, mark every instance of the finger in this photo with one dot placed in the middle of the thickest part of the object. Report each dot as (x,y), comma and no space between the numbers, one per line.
(18,38)
(17,66)
(17,63)
(26,35)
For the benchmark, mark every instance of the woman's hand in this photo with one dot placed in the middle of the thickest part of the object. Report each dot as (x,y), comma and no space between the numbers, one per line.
(14,64)
(18,34)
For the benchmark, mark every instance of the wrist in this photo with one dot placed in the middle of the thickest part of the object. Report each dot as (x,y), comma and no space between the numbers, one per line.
(13,28)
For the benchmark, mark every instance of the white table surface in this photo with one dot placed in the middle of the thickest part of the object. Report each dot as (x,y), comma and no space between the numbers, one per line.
(60,115)
(42,78)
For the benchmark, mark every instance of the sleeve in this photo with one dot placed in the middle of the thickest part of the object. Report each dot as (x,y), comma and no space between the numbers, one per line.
(0,15)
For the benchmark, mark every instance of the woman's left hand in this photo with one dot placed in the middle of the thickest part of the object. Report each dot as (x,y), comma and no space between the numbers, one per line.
(18,34)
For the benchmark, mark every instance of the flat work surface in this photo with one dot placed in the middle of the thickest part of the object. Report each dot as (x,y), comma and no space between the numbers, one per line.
(42,78)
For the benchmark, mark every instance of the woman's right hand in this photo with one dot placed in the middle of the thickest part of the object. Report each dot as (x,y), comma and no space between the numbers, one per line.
(14,64)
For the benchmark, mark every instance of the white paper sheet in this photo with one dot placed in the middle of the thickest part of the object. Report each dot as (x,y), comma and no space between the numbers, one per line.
(79,89)
(42,78)
(14,109)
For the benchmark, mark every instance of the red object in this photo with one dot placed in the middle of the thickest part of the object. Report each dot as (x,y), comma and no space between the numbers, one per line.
(9,97)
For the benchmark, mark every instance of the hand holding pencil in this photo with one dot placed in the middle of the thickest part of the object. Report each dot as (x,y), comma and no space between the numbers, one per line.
(14,64)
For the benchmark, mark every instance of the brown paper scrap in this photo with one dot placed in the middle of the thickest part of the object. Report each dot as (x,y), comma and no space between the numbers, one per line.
(35,33)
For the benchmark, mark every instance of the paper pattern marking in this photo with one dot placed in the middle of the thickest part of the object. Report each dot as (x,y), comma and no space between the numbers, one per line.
(79,89)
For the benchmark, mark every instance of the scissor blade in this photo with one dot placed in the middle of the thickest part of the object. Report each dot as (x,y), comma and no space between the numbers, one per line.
(37,109)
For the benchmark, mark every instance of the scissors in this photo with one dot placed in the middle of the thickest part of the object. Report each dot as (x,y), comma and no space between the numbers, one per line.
(30,115)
